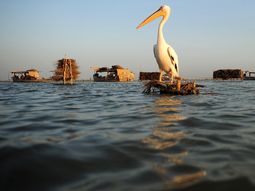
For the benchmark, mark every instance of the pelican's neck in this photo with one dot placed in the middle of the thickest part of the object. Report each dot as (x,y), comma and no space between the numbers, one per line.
(161,38)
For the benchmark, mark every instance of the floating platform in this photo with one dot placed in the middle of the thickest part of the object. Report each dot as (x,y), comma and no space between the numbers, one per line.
(176,88)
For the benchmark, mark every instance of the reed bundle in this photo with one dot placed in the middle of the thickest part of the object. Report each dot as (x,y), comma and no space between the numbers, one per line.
(149,75)
(66,69)
(228,74)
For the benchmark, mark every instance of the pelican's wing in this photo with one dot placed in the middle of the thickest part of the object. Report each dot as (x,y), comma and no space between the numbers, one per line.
(173,57)
(155,50)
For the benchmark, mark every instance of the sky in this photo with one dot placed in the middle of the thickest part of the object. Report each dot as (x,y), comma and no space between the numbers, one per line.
(206,34)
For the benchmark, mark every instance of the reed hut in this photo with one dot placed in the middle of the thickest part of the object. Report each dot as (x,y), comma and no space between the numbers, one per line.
(249,75)
(114,74)
(31,75)
(66,70)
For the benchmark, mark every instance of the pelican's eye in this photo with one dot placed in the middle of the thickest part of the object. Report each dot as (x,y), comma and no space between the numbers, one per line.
(163,8)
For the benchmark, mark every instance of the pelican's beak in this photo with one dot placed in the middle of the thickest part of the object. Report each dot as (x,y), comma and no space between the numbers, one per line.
(152,17)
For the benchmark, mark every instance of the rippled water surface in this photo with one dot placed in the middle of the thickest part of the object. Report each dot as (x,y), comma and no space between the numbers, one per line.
(110,136)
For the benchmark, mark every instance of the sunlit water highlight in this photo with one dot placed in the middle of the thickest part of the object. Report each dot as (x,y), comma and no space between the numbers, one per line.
(110,136)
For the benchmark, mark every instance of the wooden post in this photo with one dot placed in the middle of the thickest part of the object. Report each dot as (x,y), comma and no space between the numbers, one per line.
(70,71)
(64,71)
(178,85)
(194,87)
(67,71)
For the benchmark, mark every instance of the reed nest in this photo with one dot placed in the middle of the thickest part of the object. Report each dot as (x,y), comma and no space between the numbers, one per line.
(186,88)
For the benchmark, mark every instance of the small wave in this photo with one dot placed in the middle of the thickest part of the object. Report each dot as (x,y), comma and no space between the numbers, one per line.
(110,136)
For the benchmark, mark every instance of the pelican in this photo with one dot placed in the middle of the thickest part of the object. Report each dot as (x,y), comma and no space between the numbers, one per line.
(165,55)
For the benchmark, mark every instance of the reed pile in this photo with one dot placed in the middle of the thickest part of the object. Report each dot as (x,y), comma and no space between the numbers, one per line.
(227,74)
(176,88)
(149,76)
(66,70)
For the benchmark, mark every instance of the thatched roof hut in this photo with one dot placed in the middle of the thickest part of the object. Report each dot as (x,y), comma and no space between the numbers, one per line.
(114,74)
(30,75)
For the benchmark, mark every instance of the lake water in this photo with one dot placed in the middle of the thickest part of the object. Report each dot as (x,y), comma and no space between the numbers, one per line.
(111,136)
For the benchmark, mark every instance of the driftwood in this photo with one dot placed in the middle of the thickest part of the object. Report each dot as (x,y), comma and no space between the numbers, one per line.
(177,88)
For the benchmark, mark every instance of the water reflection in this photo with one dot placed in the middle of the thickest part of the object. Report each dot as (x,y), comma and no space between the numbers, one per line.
(162,136)
(165,138)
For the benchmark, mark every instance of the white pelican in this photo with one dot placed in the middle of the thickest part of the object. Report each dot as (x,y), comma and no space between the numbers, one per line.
(165,55)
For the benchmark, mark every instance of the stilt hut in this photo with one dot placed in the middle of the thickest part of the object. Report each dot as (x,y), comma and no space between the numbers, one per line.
(67,71)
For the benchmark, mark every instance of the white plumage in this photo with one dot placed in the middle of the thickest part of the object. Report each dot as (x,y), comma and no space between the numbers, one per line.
(165,55)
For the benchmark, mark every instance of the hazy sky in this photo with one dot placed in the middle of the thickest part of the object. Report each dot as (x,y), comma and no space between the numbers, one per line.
(206,34)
